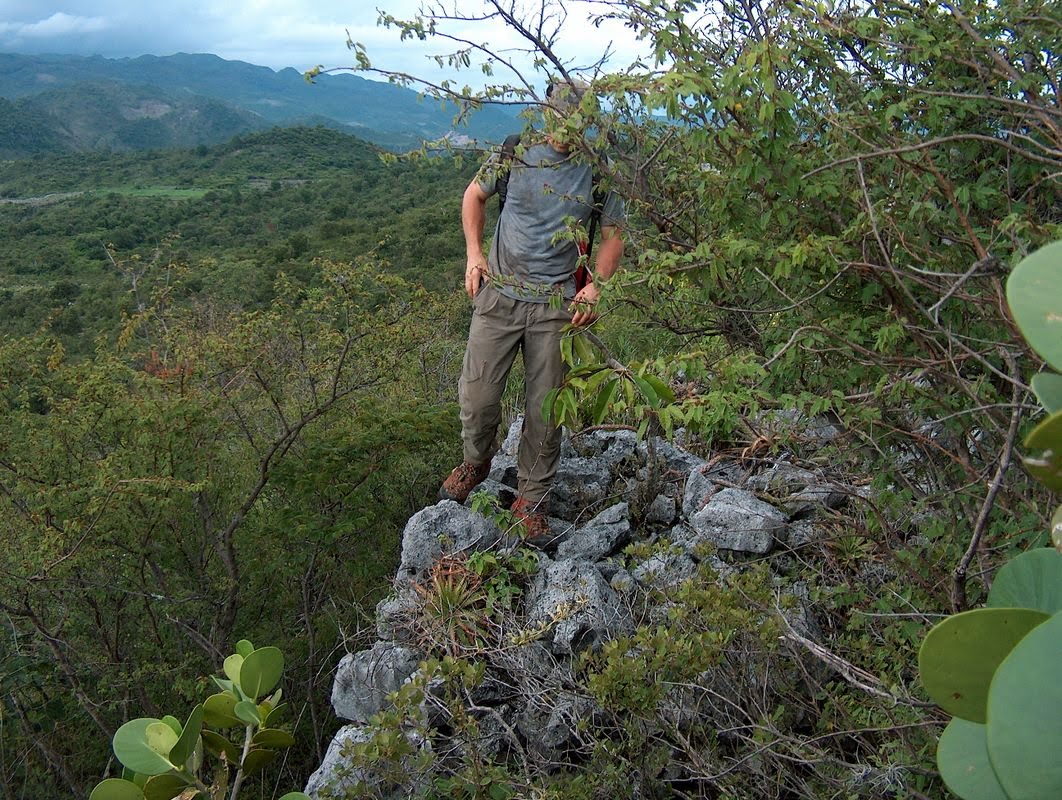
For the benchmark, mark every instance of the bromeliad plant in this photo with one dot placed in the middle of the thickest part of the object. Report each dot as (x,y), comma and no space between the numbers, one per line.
(164,759)
(994,668)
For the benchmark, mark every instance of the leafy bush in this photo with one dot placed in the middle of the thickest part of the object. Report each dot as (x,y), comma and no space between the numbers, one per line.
(992,668)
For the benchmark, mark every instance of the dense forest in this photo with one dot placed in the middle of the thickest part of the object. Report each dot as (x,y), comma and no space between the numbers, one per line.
(174,323)
(228,377)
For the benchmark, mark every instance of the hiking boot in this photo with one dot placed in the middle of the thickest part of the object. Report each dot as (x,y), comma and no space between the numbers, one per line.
(532,516)
(464,478)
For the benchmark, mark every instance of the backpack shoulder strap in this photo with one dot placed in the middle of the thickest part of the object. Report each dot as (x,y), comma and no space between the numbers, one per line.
(508,152)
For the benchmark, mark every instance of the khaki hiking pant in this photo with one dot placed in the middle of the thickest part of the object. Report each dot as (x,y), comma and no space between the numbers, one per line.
(500,327)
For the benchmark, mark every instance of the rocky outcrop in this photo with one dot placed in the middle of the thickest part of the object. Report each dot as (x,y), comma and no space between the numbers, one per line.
(612,490)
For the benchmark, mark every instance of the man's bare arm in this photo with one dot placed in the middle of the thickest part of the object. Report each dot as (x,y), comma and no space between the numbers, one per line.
(473,218)
(609,253)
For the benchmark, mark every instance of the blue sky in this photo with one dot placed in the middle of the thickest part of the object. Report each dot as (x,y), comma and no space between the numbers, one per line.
(273,33)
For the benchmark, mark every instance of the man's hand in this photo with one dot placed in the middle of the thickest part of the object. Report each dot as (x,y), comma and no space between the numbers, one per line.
(475,272)
(585,305)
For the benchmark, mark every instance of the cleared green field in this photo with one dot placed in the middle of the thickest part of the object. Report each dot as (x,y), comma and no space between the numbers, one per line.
(170,192)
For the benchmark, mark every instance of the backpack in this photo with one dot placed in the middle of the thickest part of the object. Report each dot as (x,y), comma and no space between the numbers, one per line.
(508,152)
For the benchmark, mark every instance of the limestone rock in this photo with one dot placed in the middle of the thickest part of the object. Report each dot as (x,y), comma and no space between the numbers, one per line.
(363,680)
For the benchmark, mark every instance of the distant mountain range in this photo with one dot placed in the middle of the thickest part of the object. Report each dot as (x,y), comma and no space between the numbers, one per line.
(61,103)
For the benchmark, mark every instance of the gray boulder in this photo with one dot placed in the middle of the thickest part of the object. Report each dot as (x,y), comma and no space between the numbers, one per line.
(734,519)
(583,610)
(661,512)
(336,777)
(702,484)
(600,537)
(550,720)
(671,459)
(363,680)
(581,484)
(445,529)
(665,570)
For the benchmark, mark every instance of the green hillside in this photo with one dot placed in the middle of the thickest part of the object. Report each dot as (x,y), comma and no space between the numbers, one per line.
(203,98)
(241,212)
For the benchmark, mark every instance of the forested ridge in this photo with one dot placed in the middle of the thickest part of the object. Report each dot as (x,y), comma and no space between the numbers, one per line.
(228,376)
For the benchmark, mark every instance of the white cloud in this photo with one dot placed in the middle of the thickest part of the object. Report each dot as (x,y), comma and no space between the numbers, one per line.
(273,33)
(58,24)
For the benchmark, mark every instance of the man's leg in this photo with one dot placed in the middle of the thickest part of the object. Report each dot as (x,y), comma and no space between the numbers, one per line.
(493,339)
(544,370)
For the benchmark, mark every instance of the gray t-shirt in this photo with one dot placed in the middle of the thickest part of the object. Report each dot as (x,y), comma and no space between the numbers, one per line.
(547,190)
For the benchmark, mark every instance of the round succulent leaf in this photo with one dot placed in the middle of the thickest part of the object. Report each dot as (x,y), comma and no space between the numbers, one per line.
(244,648)
(186,744)
(1030,580)
(164,787)
(173,722)
(1033,295)
(232,667)
(116,789)
(248,713)
(1044,461)
(219,746)
(261,671)
(1056,529)
(132,748)
(257,760)
(1047,386)
(273,738)
(276,714)
(962,758)
(219,711)
(135,777)
(960,655)
(160,737)
(1024,723)
(296,796)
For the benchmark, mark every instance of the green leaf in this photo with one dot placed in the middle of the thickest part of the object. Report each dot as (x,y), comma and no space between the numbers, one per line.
(261,671)
(582,349)
(164,787)
(647,390)
(1024,723)
(219,711)
(276,714)
(116,789)
(566,350)
(244,648)
(185,745)
(218,745)
(295,796)
(273,738)
(663,391)
(174,723)
(247,712)
(1048,389)
(1030,580)
(1045,464)
(160,737)
(132,748)
(960,655)
(258,760)
(548,403)
(1032,291)
(603,399)
(232,667)
(962,758)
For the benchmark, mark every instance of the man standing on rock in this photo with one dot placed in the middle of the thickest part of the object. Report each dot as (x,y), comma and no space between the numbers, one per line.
(523,296)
